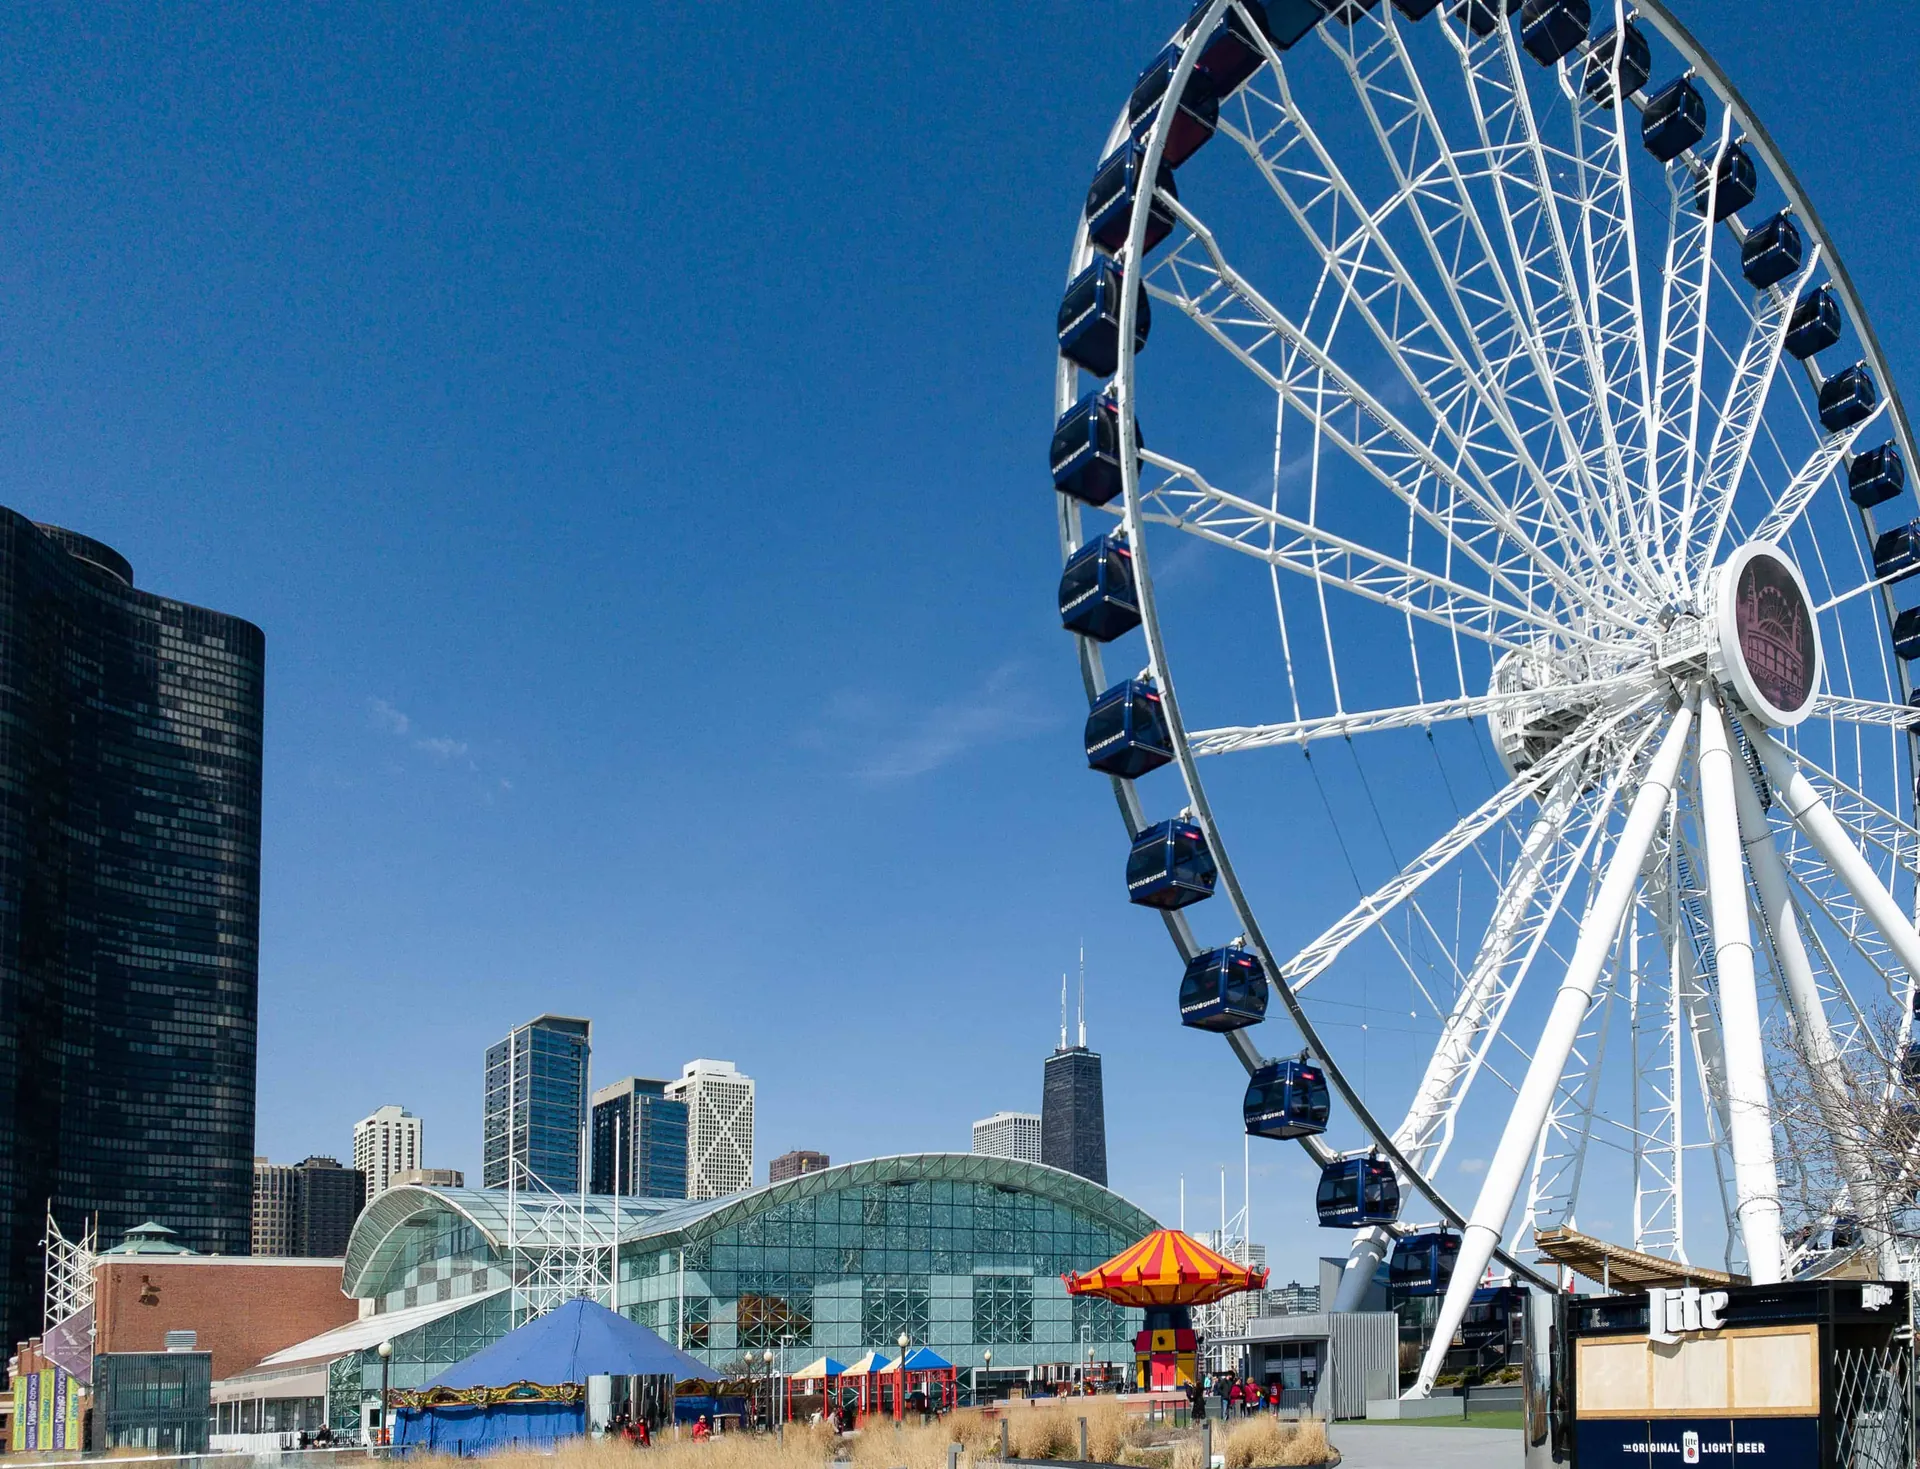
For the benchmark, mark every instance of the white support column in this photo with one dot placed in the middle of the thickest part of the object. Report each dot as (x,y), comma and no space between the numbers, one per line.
(1515,1152)
(1756,1185)
(1811,813)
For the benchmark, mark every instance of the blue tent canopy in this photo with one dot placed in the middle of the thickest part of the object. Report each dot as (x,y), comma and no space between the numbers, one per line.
(576,1341)
(925,1359)
(571,1343)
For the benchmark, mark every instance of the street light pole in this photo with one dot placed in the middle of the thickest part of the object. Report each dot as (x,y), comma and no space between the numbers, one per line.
(900,1380)
(386,1368)
(987,1357)
(766,1361)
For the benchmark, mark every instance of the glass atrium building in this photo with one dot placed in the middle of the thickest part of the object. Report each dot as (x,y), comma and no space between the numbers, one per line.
(961,1252)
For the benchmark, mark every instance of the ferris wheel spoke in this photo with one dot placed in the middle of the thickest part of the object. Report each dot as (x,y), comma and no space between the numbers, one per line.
(1318,388)
(1680,355)
(1739,420)
(1827,895)
(1310,962)
(1810,478)
(1866,711)
(1429,180)
(1358,258)
(1233,739)
(1487,1223)
(1528,205)
(1620,433)
(1187,502)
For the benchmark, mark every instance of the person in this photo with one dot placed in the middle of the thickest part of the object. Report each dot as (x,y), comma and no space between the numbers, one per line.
(1273,1397)
(701,1432)
(1197,1401)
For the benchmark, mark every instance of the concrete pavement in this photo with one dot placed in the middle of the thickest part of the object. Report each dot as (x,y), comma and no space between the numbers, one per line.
(1401,1446)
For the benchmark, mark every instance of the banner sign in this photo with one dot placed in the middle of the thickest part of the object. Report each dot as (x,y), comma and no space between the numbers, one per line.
(1668,1443)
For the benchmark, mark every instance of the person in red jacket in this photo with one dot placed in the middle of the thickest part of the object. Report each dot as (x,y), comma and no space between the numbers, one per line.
(701,1433)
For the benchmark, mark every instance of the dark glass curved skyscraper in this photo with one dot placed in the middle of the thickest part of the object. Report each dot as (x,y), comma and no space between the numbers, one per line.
(130,734)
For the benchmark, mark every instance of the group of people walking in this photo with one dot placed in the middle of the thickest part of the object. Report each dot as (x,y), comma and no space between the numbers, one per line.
(1240,1399)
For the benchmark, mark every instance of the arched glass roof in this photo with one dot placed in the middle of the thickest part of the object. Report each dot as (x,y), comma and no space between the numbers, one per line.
(384,1225)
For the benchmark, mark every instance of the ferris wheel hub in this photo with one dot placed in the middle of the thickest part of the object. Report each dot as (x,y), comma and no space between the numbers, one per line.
(1526,734)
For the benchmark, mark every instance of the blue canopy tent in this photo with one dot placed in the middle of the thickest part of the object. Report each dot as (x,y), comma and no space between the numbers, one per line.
(530,1386)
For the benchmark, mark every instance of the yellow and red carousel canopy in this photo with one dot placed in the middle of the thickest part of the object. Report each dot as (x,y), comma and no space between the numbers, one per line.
(1167,1268)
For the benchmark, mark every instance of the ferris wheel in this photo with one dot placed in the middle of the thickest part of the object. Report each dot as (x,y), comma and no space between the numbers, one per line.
(1471,416)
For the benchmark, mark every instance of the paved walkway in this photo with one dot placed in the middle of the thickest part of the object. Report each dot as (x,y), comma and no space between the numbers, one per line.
(1397,1446)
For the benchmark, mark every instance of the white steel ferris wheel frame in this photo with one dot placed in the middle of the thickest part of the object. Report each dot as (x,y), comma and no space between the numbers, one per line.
(1685,709)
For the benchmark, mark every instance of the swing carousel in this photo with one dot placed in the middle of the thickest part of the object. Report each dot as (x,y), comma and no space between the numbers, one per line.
(1168,1274)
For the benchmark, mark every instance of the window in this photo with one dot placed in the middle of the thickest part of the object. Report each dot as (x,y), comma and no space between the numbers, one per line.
(891,1306)
(1002,1309)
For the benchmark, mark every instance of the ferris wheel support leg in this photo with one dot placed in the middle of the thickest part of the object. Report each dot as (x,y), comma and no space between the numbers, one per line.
(1815,818)
(1514,1155)
(1756,1183)
(1809,1013)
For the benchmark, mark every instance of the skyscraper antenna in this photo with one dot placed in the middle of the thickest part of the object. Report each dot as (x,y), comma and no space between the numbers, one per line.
(1083,994)
(1063,1012)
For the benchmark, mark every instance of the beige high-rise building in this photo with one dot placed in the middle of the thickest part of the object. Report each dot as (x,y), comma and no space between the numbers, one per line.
(719,1127)
(386,1145)
(276,1207)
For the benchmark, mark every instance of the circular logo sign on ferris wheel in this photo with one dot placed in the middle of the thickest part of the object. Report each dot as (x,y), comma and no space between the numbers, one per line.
(1769,641)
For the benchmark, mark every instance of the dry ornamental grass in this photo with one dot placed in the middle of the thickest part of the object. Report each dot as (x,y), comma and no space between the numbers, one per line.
(1113,1437)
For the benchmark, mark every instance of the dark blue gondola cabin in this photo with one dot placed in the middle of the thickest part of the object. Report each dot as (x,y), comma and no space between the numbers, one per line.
(1231,53)
(1416,9)
(1635,63)
(1110,199)
(1733,185)
(1085,453)
(1097,597)
(1906,634)
(1847,398)
(1877,476)
(1223,990)
(1422,1264)
(1126,733)
(1286,1099)
(1897,553)
(1815,325)
(1550,29)
(1193,121)
(1675,119)
(1089,319)
(1170,866)
(1772,252)
(1482,17)
(1910,1064)
(1355,1192)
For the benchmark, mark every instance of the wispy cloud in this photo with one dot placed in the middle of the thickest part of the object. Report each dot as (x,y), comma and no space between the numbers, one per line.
(892,745)
(1473,1165)
(382,715)
(388,719)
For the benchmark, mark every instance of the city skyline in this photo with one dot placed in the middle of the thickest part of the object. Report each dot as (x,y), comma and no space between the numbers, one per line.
(451,461)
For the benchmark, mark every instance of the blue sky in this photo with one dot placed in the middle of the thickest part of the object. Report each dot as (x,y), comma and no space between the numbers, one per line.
(628,427)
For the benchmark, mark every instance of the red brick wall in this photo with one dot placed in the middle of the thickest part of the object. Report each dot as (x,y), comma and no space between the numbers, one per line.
(241,1312)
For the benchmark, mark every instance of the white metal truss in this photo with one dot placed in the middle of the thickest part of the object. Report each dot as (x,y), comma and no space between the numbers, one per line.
(1524,407)
(558,1247)
(69,1272)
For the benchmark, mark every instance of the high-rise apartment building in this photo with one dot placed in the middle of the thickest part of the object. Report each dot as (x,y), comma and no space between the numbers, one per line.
(388,1143)
(1073,1115)
(719,1127)
(639,1140)
(1008,1135)
(276,1205)
(536,1105)
(129,907)
(795,1163)
(331,1198)
(306,1208)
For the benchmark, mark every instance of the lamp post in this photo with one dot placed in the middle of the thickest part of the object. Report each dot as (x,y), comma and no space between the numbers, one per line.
(987,1358)
(386,1369)
(900,1381)
(766,1362)
(1086,1380)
